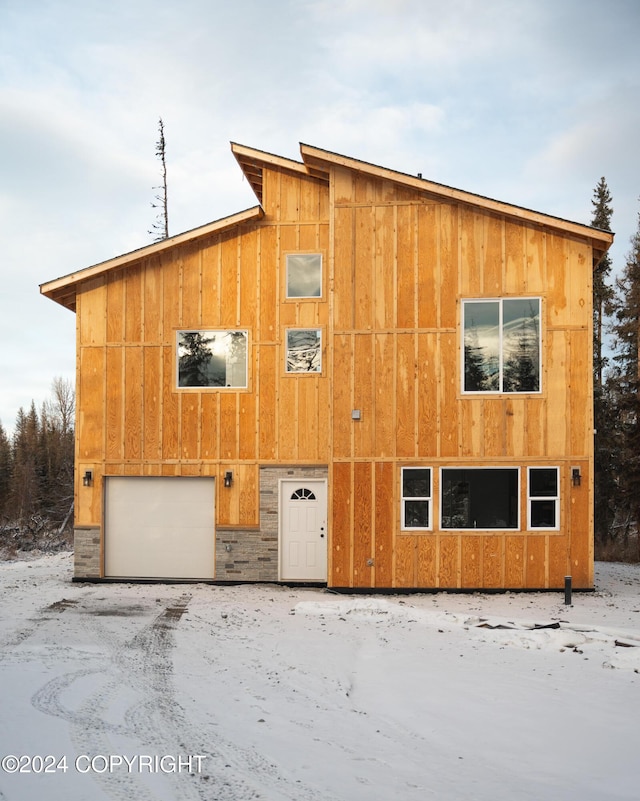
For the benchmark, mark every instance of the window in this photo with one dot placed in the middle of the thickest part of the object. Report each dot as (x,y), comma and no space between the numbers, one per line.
(501,345)
(304,350)
(485,498)
(303,494)
(543,498)
(304,275)
(212,358)
(416,498)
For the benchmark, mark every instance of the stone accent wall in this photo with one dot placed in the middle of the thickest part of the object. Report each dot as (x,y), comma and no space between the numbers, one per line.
(246,555)
(252,554)
(86,553)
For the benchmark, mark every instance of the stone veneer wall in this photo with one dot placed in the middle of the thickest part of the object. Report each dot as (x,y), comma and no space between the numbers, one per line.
(86,552)
(252,554)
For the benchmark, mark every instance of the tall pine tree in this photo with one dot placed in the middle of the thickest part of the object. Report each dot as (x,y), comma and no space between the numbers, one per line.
(604,448)
(626,327)
(5,472)
(602,290)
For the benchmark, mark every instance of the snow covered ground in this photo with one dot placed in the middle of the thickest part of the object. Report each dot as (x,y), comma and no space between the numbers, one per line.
(181,692)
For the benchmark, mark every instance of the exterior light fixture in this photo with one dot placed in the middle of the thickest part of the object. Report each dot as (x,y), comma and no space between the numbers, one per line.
(87,478)
(575,476)
(228,478)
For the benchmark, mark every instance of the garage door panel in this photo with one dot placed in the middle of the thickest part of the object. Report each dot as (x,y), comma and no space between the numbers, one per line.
(159,527)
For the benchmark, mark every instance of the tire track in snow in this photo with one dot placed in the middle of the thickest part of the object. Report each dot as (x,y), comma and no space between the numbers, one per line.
(142,667)
(234,773)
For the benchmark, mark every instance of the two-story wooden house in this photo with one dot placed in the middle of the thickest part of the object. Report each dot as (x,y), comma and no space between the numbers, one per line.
(369,380)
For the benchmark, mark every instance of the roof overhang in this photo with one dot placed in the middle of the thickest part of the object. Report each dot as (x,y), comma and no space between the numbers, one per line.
(252,163)
(63,290)
(320,162)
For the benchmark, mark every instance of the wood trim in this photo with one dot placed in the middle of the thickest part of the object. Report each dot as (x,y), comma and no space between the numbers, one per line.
(318,159)
(63,290)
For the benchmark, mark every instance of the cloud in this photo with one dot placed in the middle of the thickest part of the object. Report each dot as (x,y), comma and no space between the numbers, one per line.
(528,102)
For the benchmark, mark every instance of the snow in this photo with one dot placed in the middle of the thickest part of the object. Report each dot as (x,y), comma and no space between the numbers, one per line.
(300,694)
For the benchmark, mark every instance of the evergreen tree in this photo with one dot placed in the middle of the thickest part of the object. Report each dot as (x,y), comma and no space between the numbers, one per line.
(626,327)
(475,377)
(5,472)
(521,371)
(195,356)
(603,293)
(605,452)
(24,492)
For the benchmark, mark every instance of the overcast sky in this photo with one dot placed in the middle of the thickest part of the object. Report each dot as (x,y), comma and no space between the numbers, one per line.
(526,101)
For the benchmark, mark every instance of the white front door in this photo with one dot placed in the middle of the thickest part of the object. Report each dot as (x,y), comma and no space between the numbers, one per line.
(303,530)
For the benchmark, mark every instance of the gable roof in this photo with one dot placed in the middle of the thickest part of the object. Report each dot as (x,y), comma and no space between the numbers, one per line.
(318,164)
(63,290)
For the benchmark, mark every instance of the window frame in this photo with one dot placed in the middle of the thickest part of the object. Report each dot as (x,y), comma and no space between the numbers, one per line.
(297,254)
(214,387)
(428,499)
(531,499)
(500,302)
(292,329)
(468,468)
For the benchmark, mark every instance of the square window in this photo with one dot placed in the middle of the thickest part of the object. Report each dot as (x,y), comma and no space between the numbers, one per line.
(304,275)
(212,359)
(480,498)
(416,498)
(502,345)
(304,350)
(543,498)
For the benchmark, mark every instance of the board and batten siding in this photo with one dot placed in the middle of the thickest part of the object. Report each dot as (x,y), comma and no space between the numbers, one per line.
(403,262)
(133,420)
(397,262)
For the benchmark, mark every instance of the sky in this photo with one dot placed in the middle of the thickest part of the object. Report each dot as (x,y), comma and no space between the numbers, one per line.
(527,102)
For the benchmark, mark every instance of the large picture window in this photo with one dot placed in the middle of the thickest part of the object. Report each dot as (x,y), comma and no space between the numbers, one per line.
(543,498)
(304,275)
(502,348)
(212,358)
(416,498)
(304,350)
(479,498)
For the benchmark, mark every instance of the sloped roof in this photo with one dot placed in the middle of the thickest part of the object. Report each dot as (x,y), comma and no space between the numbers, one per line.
(63,290)
(317,163)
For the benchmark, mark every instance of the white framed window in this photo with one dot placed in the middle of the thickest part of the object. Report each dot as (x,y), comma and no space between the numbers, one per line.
(416,498)
(543,498)
(501,342)
(215,359)
(304,275)
(480,498)
(303,350)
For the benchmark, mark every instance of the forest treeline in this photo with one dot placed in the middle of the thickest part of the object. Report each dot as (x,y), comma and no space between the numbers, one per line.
(36,474)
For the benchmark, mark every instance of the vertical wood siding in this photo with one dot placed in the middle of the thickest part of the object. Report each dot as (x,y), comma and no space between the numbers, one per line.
(396,263)
(401,267)
(135,421)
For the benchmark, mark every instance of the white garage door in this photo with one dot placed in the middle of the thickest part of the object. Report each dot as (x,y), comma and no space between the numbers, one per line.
(159,527)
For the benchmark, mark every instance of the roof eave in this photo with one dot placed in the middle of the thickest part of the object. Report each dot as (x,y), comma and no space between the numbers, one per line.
(63,290)
(252,163)
(321,160)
